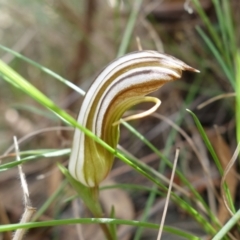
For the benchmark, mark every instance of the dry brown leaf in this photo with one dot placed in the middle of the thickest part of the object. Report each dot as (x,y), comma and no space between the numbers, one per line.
(224,154)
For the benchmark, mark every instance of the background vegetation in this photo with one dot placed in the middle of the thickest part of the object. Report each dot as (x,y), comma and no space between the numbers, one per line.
(76,39)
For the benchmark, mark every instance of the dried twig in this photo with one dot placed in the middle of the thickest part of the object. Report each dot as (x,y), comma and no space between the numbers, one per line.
(168,195)
(211,100)
(139,45)
(29,210)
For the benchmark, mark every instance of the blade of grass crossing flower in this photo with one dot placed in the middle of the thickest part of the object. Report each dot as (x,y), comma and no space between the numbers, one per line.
(41,98)
(25,86)
(15,79)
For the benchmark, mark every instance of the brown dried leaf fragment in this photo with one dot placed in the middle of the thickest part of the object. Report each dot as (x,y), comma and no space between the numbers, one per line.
(224,154)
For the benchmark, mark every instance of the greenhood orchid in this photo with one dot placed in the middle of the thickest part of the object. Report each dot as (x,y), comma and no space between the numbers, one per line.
(124,83)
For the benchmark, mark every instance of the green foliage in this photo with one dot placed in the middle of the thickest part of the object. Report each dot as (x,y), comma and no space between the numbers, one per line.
(221,42)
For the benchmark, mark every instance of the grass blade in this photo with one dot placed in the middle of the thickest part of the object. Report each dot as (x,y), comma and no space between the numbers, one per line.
(237,109)
(208,24)
(228,226)
(207,142)
(129,28)
(217,55)
(44,69)
(175,231)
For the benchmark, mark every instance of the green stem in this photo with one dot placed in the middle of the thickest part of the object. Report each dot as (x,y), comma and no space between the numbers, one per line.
(129,28)
(228,226)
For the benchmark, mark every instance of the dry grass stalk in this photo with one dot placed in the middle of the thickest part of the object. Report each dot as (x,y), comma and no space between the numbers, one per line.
(29,210)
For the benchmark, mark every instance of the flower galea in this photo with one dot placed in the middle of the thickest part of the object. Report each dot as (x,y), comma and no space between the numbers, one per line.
(123,83)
